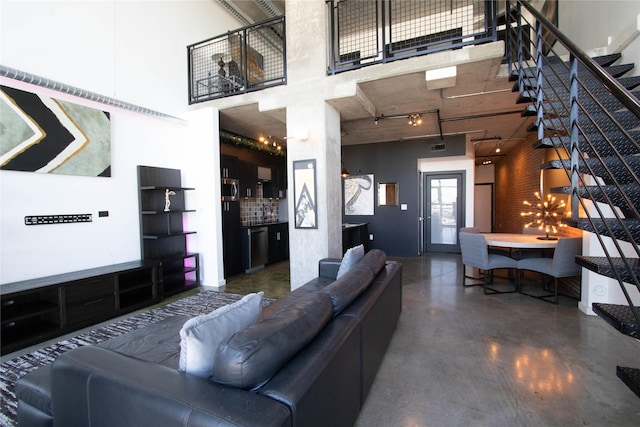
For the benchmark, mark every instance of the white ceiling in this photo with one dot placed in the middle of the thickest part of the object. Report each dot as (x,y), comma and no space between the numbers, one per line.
(481,89)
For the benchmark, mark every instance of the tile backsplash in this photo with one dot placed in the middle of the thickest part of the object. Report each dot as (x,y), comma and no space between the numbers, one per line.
(258,210)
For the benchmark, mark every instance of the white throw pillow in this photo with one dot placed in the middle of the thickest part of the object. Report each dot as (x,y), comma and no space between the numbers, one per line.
(350,258)
(201,335)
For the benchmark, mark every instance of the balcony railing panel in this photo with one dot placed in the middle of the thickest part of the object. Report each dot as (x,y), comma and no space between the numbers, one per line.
(369,32)
(248,59)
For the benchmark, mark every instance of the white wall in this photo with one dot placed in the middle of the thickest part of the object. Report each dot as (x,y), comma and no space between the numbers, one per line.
(134,51)
(596,24)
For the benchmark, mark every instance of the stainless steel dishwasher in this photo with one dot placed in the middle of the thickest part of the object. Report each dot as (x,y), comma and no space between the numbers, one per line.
(258,248)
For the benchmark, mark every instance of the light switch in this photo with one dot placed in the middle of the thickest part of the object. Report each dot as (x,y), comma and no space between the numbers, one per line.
(403,207)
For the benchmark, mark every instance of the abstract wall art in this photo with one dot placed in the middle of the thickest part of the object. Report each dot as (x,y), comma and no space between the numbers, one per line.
(304,189)
(358,195)
(48,135)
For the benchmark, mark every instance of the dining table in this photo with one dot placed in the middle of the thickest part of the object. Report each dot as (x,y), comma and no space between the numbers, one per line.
(519,241)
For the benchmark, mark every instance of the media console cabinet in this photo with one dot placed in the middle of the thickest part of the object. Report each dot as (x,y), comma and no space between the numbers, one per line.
(36,310)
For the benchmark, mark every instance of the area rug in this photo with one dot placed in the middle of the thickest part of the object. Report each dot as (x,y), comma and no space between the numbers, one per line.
(12,370)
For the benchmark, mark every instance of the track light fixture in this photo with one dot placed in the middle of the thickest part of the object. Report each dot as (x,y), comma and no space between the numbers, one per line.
(414,119)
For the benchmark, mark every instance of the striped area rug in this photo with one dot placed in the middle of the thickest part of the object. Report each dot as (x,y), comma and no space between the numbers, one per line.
(12,370)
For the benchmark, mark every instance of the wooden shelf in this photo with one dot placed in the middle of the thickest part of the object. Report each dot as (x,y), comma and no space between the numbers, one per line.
(162,237)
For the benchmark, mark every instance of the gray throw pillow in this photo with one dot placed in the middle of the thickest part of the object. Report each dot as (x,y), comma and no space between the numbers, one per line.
(201,335)
(350,258)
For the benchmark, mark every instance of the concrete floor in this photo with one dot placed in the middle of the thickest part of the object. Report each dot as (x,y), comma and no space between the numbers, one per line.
(462,358)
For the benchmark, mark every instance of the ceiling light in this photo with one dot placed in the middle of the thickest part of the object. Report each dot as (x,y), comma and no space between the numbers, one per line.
(498,148)
(415,119)
(344,173)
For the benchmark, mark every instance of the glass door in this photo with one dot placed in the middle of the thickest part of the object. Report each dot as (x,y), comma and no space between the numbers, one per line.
(444,209)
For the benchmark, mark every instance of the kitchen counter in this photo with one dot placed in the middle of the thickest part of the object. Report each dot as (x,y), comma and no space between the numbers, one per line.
(262,223)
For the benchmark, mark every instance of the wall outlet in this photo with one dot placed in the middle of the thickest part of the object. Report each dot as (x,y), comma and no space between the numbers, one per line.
(599,290)
(370,236)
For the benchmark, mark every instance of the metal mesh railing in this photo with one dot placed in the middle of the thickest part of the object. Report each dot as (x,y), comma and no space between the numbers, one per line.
(244,60)
(366,32)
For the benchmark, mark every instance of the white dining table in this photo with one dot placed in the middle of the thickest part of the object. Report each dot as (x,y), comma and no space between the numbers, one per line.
(519,241)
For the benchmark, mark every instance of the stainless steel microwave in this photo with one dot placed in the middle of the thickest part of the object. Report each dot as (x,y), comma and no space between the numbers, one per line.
(230,189)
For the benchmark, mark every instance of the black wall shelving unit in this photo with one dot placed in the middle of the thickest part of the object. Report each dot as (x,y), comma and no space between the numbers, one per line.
(162,236)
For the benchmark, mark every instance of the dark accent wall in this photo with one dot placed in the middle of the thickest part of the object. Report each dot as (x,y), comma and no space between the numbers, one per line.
(395,231)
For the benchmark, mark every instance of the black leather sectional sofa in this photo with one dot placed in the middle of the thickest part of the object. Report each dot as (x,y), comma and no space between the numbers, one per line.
(310,360)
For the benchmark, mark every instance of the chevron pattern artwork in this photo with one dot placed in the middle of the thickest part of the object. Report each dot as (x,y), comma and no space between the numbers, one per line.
(48,135)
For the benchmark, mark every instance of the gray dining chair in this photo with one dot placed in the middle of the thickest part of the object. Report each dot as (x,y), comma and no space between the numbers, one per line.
(563,264)
(522,253)
(475,253)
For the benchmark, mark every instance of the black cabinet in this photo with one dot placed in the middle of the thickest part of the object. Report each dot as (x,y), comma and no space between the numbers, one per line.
(278,242)
(231,238)
(354,235)
(163,239)
(276,188)
(248,179)
(39,309)
(229,166)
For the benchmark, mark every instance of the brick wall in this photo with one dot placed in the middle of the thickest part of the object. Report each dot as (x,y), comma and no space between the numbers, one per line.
(517,178)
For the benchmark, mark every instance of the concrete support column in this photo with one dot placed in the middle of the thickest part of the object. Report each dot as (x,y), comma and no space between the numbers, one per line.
(308,115)
(307,246)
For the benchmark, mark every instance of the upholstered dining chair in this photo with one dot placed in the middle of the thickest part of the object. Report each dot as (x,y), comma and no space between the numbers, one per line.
(530,253)
(563,264)
(475,253)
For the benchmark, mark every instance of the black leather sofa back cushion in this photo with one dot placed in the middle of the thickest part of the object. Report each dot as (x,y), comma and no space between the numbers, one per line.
(374,259)
(249,358)
(347,288)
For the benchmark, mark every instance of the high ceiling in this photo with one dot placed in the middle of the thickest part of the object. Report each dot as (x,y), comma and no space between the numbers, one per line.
(479,103)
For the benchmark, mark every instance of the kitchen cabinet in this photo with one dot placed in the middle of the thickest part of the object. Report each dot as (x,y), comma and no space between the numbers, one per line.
(229,166)
(231,239)
(278,242)
(248,179)
(276,188)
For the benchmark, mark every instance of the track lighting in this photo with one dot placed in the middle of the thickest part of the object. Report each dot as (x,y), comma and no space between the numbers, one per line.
(415,119)
(344,173)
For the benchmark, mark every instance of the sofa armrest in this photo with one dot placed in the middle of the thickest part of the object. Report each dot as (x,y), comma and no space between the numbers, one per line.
(328,267)
(93,386)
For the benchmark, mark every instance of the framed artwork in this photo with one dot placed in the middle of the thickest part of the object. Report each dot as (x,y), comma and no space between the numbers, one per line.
(304,193)
(49,135)
(358,195)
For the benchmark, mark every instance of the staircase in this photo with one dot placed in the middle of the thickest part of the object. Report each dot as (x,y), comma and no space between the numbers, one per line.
(587,112)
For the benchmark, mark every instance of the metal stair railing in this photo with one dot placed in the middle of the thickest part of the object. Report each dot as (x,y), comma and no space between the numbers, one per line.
(580,109)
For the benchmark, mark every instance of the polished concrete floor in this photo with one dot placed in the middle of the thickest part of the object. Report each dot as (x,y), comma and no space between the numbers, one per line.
(462,358)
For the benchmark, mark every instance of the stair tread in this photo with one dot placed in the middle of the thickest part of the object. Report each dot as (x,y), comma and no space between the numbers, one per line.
(615,170)
(625,120)
(608,227)
(602,266)
(623,145)
(631,377)
(619,316)
(611,192)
